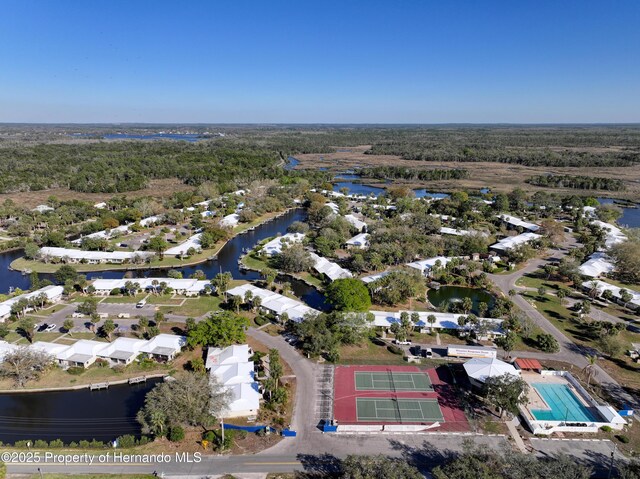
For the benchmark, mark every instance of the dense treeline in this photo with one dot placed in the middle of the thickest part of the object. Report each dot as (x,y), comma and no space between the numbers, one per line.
(253,153)
(113,167)
(398,172)
(578,182)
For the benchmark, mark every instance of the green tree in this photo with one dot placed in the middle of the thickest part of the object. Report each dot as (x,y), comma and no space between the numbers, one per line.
(377,467)
(221,284)
(547,343)
(27,328)
(349,294)
(507,342)
(107,328)
(159,245)
(506,393)
(220,329)
(187,400)
(64,273)
(68,325)
(89,306)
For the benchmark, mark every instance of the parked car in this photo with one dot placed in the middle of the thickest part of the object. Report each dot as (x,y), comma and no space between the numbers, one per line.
(402,343)
(141,303)
(427,353)
(50,328)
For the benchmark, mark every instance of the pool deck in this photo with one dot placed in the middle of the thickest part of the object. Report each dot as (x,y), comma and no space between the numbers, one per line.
(535,399)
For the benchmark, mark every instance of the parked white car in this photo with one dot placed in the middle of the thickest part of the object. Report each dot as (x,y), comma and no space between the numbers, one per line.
(50,328)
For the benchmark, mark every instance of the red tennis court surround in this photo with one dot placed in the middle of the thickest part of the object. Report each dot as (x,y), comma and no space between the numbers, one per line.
(346,394)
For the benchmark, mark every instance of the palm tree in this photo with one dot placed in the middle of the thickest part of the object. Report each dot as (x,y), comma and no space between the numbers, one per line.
(431,319)
(286,288)
(590,368)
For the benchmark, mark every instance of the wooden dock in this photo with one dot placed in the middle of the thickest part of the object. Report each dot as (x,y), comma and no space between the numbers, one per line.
(95,387)
(140,379)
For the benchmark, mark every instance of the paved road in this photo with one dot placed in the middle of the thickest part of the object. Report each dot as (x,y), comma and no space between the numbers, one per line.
(425,451)
(569,351)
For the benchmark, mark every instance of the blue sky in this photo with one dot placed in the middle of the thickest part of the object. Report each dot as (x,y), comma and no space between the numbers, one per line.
(396,61)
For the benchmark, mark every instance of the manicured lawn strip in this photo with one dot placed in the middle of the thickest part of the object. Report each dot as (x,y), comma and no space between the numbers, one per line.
(195,306)
(124,299)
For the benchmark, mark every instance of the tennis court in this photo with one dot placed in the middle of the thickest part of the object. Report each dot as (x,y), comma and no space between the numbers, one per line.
(392,381)
(398,410)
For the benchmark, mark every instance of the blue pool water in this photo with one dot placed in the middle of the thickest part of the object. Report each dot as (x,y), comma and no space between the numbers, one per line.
(564,404)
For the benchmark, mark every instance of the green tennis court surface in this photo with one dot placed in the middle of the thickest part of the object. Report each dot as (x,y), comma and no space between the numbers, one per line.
(391,381)
(398,410)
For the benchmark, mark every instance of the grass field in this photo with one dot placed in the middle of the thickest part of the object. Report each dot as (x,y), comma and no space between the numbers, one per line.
(368,353)
(195,306)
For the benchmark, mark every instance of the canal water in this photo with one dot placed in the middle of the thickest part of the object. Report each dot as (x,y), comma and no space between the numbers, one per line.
(450,294)
(226,260)
(630,216)
(73,415)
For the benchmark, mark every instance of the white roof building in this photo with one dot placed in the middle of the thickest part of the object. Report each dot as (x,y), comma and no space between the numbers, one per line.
(6,348)
(516,222)
(481,369)
(164,346)
(231,220)
(335,208)
(151,220)
(122,350)
(355,222)
(275,246)
(386,319)
(597,265)
(614,234)
(182,248)
(275,303)
(43,208)
(237,353)
(186,286)
(511,242)
(374,277)
(426,265)
(232,368)
(359,241)
(330,269)
(82,353)
(52,292)
(93,257)
(602,286)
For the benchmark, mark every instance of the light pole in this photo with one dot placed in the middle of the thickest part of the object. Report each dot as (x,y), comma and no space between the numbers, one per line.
(613,453)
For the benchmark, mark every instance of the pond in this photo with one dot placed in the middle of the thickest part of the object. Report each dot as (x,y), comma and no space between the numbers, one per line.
(73,415)
(450,294)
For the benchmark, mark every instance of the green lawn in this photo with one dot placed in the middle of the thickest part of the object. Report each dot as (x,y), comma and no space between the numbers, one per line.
(124,299)
(195,306)
(533,280)
(165,299)
(369,353)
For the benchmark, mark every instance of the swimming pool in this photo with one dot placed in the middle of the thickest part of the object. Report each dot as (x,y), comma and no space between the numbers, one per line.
(563,403)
